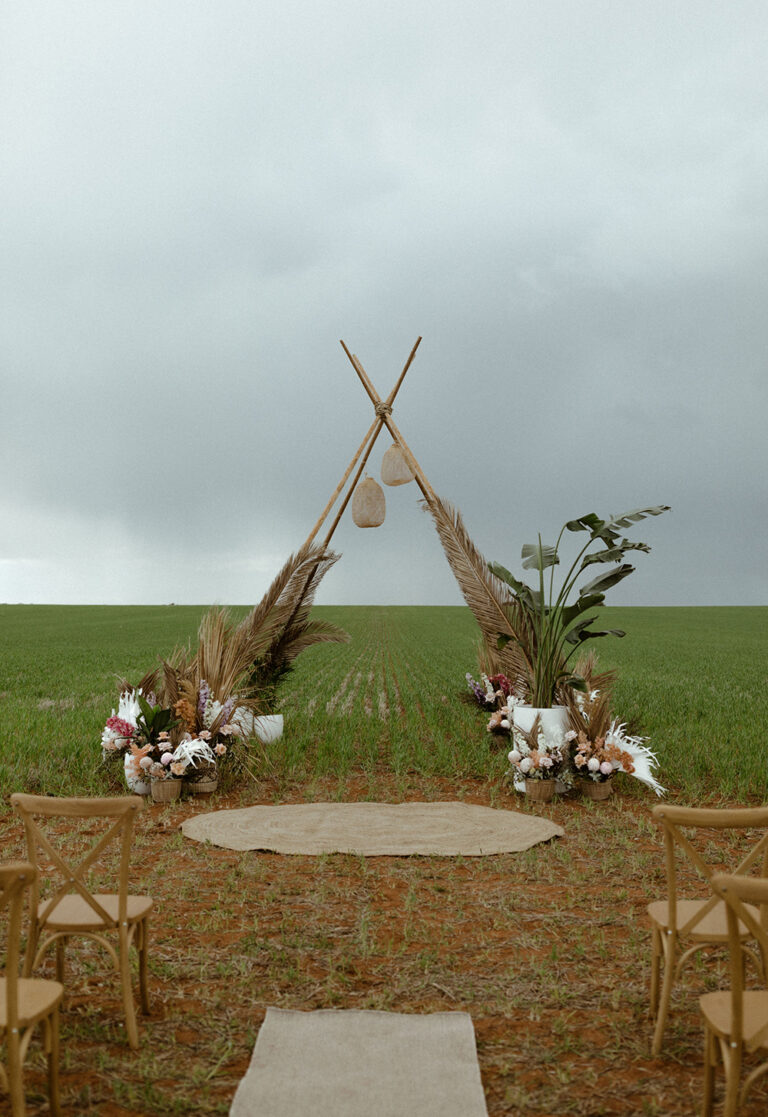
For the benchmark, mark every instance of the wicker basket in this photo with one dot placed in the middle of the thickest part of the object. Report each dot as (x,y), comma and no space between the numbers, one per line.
(165,791)
(202,781)
(596,789)
(541,791)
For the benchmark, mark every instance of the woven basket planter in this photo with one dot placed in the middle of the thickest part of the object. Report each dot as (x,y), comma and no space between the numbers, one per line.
(202,781)
(165,791)
(595,789)
(541,791)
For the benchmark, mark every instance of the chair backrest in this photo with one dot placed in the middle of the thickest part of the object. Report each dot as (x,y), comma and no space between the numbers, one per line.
(737,892)
(15,878)
(677,820)
(68,876)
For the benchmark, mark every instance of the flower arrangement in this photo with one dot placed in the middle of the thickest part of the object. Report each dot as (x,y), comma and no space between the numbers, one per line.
(122,727)
(484,693)
(598,759)
(596,746)
(600,744)
(143,731)
(538,755)
(495,693)
(207,723)
(159,762)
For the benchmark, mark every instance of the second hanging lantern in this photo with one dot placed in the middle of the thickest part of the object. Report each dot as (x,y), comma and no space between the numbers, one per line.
(395,469)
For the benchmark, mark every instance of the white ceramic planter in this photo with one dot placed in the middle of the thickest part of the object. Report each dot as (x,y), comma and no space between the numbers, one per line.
(267,728)
(553,720)
(137,784)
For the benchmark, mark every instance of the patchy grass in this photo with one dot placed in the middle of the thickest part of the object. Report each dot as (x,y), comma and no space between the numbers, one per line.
(548,951)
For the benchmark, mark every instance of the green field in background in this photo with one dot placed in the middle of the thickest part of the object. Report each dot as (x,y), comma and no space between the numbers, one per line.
(692,679)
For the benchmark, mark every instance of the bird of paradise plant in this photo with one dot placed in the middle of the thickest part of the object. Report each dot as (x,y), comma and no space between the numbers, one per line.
(536,630)
(555,626)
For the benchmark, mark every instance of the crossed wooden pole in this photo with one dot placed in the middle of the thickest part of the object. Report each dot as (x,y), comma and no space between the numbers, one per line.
(383,410)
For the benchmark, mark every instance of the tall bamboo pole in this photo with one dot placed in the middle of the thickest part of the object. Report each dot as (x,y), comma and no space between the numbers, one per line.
(376,425)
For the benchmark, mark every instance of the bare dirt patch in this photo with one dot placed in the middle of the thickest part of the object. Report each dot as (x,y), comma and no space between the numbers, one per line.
(547,950)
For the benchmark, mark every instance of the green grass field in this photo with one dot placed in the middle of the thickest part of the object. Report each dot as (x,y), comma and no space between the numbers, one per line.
(692,679)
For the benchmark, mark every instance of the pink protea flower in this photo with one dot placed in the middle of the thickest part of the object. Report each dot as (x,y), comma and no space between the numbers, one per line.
(120,726)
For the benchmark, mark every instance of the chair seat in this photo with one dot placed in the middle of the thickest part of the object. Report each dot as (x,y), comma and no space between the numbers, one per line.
(716,1008)
(72,912)
(37,998)
(712,928)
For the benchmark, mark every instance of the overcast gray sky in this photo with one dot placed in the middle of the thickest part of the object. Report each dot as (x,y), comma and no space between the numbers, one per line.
(566,199)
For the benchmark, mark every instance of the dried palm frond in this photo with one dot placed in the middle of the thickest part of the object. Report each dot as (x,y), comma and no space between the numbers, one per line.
(279,627)
(594,709)
(225,653)
(246,660)
(492,603)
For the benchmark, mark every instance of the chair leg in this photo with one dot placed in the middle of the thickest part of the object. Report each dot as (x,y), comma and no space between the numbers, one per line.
(29,954)
(125,982)
(655,968)
(15,1070)
(143,945)
(60,944)
(666,991)
(52,1046)
(710,1057)
(732,1064)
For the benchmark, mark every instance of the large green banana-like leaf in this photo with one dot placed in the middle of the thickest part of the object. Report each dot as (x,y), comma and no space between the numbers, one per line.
(606,580)
(580,606)
(614,553)
(538,556)
(634,517)
(581,631)
(529,597)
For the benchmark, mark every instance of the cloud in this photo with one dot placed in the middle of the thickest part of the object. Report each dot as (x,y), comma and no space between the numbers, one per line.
(199,201)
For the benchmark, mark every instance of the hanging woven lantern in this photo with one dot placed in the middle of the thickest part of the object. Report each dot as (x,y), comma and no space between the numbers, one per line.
(395,469)
(368,504)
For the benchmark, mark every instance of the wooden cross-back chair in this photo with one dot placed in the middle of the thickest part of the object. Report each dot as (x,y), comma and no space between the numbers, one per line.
(736,1021)
(682,927)
(24,1002)
(72,908)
